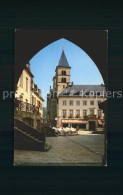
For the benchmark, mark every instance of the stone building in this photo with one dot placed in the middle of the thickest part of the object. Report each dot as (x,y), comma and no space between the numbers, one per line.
(62,76)
(78,106)
(68,105)
(28,100)
(60,81)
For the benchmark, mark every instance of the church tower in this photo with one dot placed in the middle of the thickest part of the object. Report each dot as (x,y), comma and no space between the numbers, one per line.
(60,81)
(62,77)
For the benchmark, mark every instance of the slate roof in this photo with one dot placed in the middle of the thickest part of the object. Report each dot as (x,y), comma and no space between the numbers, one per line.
(75,90)
(63,60)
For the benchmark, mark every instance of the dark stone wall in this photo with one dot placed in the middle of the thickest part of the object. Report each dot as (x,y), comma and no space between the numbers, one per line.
(51,111)
(24,142)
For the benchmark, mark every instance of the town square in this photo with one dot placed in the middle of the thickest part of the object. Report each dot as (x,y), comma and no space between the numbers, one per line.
(65,127)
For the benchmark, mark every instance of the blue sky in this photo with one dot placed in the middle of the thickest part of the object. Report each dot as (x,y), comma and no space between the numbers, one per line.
(83,69)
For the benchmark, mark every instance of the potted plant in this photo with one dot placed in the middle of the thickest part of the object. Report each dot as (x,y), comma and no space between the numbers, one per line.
(71,116)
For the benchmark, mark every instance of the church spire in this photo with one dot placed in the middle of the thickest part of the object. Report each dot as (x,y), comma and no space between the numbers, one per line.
(63,60)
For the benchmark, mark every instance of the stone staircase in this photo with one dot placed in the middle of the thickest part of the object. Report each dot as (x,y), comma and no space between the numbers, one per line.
(28,138)
(49,132)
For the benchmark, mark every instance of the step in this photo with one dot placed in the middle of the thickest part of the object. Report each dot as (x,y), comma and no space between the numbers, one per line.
(24,141)
(29,135)
(29,130)
(47,147)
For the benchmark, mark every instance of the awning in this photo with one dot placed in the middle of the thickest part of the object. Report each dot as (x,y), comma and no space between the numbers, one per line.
(74,122)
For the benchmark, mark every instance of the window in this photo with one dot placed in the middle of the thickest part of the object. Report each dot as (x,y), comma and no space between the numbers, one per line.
(63,72)
(38,103)
(91,102)
(21,80)
(71,112)
(77,102)
(99,112)
(64,102)
(26,84)
(63,80)
(91,112)
(77,112)
(84,112)
(63,86)
(71,102)
(34,101)
(84,102)
(64,113)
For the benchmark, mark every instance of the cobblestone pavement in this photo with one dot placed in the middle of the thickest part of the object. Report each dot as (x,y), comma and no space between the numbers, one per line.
(78,150)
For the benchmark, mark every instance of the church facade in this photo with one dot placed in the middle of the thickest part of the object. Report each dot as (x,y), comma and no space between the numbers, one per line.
(70,105)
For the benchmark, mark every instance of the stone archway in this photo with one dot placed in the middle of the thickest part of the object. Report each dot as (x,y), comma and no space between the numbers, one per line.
(29,42)
(93,42)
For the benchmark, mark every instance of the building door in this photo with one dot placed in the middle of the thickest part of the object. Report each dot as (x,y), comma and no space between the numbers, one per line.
(82,126)
(92,125)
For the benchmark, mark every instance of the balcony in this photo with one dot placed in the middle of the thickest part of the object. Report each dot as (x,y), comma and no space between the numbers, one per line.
(77,116)
(64,116)
(24,106)
(92,117)
(71,116)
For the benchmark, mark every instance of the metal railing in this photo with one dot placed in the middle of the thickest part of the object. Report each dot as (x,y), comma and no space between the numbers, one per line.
(24,106)
(84,117)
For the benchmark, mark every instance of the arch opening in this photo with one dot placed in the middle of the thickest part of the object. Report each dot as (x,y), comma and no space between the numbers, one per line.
(74,69)
(83,66)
